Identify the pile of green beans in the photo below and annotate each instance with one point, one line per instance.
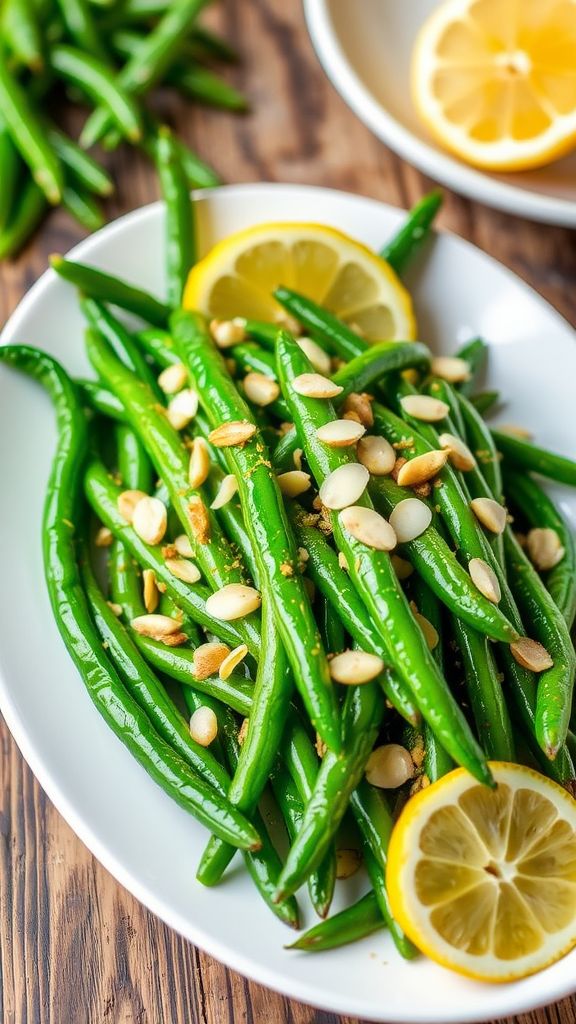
(446, 687)
(109, 58)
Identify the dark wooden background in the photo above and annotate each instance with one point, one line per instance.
(75, 948)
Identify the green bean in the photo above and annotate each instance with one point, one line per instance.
(201, 84)
(198, 173)
(485, 693)
(540, 511)
(524, 455)
(484, 401)
(356, 922)
(83, 168)
(436, 762)
(231, 518)
(376, 361)
(331, 627)
(82, 207)
(404, 245)
(99, 398)
(94, 78)
(342, 339)
(119, 338)
(9, 170)
(213, 44)
(96, 284)
(29, 210)
(480, 440)
(29, 136)
(266, 523)
(180, 228)
(82, 28)
(475, 353)
(21, 33)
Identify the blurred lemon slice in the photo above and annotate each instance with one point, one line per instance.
(484, 881)
(495, 80)
(238, 276)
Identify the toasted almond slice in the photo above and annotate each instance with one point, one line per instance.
(228, 488)
(348, 862)
(150, 520)
(358, 406)
(318, 357)
(199, 467)
(344, 486)
(544, 548)
(421, 468)
(204, 726)
(402, 567)
(115, 608)
(369, 527)
(490, 513)
(156, 626)
(485, 579)
(297, 458)
(531, 655)
(232, 660)
(236, 432)
(389, 766)
(294, 482)
(207, 659)
(377, 454)
(199, 519)
(127, 502)
(260, 389)
(182, 408)
(459, 453)
(450, 368)
(183, 569)
(288, 322)
(243, 731)
(314, 385)
(151, 593)
(430, 632)
(410, 518)
(104, 537)
(228, 332)
(234, 601)
(424, 407)
(340, 433)
(342, 561)
(354, 667)
(183, 546)
(173, 378)
(522, 433)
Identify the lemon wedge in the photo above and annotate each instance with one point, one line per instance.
(484, 881)
(239, 275)
(495, 80)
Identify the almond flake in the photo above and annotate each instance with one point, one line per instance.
(235, 432)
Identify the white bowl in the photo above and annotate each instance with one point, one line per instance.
(148, 843)
(365, 49)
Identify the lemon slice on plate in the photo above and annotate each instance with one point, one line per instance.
(495, 80)
(484, 881)
(239, 275)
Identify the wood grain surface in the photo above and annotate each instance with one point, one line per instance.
(75, 948)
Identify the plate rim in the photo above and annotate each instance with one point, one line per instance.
(442, 167)
(80, 824)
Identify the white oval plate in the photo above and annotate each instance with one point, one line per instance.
(365, 50)
(146, 841)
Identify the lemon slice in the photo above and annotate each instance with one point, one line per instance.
(484, 881)
(238, 276)
(495, 80)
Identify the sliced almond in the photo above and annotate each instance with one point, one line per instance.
(199, 467)
(234, 601)
(183, 546)
(459, 453)
(450, 368)
(421, 468)
(340, 433)
(182, 408)
(232, 660)
(173, 378)
(315, 385)
(402, 567)
(544, 548)
(377, 454)
(288, 322)
(531, 655)
(318, 357)
(358, 406)
(369, 527)
(228, 488)
(150, 520)
(485, 579)
(183, 569)
(348, 862)
(425, 408)
(127, 502)
(297, 458)
(103, 537)
(430, 632)
(163, 628)
(294, 482)
(522, 433)
(342, 561)
(260, 389)
(204, 726)
(236, 432)
(344, 486)
(115, 608)
(207, 659)
(389, 766)
(243, 731)
(355, 667)
(490, 513)
(199, 519)
(151, 593)
(228, 332)
(409, 519)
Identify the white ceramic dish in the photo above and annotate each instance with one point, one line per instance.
(148, 843)
(365, 49)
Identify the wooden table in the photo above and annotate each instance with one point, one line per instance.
(75, 948)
